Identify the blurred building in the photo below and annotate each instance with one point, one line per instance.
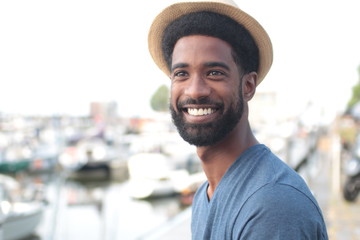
(103, 111)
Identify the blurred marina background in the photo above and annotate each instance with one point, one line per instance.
(88, 152)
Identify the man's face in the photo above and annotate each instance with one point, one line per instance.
(206, 100)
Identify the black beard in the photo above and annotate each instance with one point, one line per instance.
(207, 134)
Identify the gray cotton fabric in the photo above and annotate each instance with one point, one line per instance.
(259, 197)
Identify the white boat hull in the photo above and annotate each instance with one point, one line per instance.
(22, 221)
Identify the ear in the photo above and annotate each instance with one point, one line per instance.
(249, 85)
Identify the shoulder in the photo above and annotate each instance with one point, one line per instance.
(282, 197)
(283, 211)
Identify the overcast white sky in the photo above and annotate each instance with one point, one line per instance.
(58, 56)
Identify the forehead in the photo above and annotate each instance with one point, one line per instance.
(197, 48)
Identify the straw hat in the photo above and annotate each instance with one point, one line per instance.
(224, 7)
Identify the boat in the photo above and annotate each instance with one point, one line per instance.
(11, 167)
(152, 175)
(44, 158)
(88, 159)
(21, 219)
(15, 158)
(18, 218)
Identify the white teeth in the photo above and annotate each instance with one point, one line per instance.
(200, 111)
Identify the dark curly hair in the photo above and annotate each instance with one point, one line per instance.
(245, 51)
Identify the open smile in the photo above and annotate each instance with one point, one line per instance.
(200, 114)
(200, 111)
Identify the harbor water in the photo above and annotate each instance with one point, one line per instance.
(100, 210)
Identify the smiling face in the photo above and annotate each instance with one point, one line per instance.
(206, 97)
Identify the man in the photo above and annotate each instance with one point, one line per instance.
(216, 55)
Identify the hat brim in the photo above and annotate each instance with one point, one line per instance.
(177, 10)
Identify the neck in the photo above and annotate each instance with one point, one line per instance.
(216, 159)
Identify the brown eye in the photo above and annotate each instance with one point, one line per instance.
(216, 73)
(180, 74)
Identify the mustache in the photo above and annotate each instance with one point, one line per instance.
(200, 101)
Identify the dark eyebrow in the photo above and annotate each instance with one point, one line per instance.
(208, 64)
(178, 65)
(217, 64)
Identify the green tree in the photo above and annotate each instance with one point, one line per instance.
(355, 98)
(160, 99)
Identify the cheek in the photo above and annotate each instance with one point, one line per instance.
(232, 97)
(174, 95)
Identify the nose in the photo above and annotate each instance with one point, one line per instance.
(197, 88)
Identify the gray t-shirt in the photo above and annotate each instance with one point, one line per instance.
(259, 197)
